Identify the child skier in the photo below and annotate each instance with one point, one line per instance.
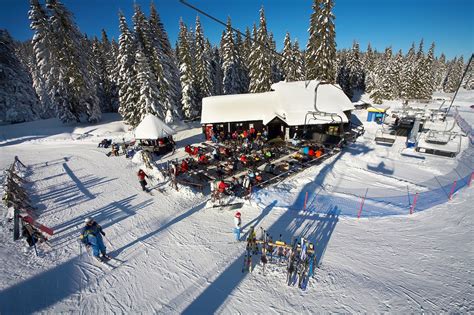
(91, 235)
(238, 224)
(141, 179)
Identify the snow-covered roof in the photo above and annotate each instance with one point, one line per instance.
(152, 127)
(289, 101)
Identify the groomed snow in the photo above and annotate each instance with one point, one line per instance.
(179, 254)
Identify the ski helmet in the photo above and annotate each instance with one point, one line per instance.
(237, 214)
(88, 220)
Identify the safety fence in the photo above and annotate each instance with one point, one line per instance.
(18, 205)
(373, 201)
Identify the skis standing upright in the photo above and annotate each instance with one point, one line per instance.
(291, 261)
(263, 257)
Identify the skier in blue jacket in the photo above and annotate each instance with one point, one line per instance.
(91, 235)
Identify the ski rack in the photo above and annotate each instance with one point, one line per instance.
(284, 245)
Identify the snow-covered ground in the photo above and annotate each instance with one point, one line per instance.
(179, 254)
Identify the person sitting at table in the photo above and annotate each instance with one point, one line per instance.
(202, 159)
(184, 166)
(243, 159)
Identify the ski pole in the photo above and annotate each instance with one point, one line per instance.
(108, 241)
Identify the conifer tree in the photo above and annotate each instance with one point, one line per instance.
(321, 48)
(149, 97)
(42, 61)
(357, 74)
(169, 64)
(289, 61)
(384, 80)
(202, 65)
(369, 67)
(129, 90)
(230, 64)
(217, 74)
(74, 92)
(275, 61)
(18, 100)
(468, 82)
(260, 61)
(408, 73)
(300, 67)
(188, 83)
(454, 76)
(242, 69)
(440, 72)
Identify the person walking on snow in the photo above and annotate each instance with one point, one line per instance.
(141, 179)
(91, 235)
(238, 224)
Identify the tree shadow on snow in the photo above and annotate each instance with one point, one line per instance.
(42, 290)
(161, 228)
(106, 216)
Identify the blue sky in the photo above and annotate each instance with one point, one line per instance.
(398, 23)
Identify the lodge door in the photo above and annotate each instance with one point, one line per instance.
(275, 130)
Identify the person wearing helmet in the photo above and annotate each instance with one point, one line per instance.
(91, 235)
(238, 224)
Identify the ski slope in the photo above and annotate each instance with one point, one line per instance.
(179, 255)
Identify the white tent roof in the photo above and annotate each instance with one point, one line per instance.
(152, 127)
(289, 101)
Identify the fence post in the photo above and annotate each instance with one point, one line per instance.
(452, 190)
(305, 200)
(362, 203)
(470, 179)
(412, 208)
(16, 224)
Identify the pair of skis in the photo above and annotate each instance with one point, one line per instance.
(249, 249)
(106, 261)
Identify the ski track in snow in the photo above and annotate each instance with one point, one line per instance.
(179, 254)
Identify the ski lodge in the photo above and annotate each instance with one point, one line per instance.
(312, 110)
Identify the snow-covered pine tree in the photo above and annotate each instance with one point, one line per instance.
(454, 76)
(246, 49)
(440, 72)
(289, 62)
(100, 75)
(300, 67)
(418, 75)
(129, 90)
(150, 49)
(343, 74)
(321, 48)
(188, 99)
(275, 61)
(42, 61)
(314, 42)
(395, 74)
(169, 63)
(202, 65)
(384, 78)
(356, 71)
(369, 68)
(244, 78)
(149, 99)
(428, 73)
(468, 82)
(408, 74)
(260, 61)
(230, 62)
(18, 100)
(74, 93)
(110, 51)
(217, 74)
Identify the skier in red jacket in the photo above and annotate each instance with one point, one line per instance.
(141, 179)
